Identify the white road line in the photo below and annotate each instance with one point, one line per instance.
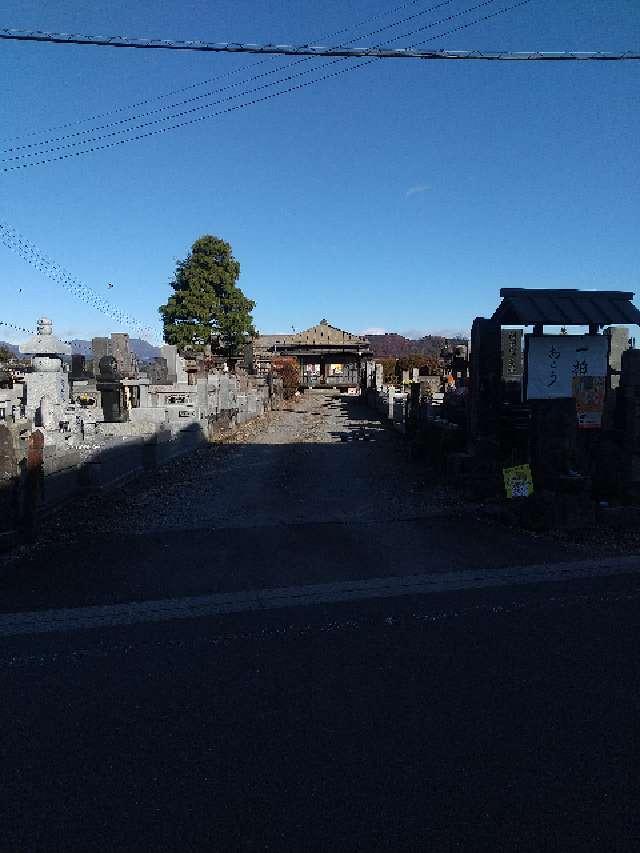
(164, 610)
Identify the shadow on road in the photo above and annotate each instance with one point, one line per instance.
(303, 500)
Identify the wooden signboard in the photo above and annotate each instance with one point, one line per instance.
(554, 360)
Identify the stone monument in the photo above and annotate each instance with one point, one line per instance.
(49, 380)
(111, 391)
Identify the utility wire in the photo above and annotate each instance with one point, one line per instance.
(30, 253)
(16, 328)
(122, 122)
(288, 79)
(254, 101)
(305, 50)
(225, 75)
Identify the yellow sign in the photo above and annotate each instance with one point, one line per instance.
(518, 482)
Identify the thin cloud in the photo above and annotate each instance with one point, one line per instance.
(419, 188)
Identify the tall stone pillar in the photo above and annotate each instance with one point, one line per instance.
(485, 379)
(629, 419)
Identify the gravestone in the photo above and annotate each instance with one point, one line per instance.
(158, 371)
(78, 365)
(371, 374)
(8, 459)
(379, 377)
(618, 344)
(108, 384)
(391, 393)
(170, 353)
(124, 356)
(9, 499)
(485, 378)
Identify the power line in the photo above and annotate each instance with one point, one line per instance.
(30, 253)
(227, 74)
(270, 96)
(16, 328)
(287, 79)
(21, 157)
(205, 95)
(309, 50)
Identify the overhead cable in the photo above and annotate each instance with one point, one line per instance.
(29, 252)
(268, 97)
(121, 123)
(16, 328)
(310, 50)
(226, 74)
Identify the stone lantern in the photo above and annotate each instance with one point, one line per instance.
(47, 386)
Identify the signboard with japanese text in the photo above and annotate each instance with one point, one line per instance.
(511, 354)
(589, 392)
(518, 482)
(554, 360)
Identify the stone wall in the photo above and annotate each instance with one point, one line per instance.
(106, 454)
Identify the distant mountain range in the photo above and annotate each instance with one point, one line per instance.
(143, 349)
(392, 345)
(11, 347)
(389, 345)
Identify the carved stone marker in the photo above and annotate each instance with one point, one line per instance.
(8, 460)
(108, 384)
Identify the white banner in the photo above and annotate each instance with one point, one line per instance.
(554, 360)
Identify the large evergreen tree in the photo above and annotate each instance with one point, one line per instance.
(207, 302)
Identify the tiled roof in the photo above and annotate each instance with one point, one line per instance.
(557, 307)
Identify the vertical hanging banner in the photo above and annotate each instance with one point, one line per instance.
(554, 361)
(511, 354)
(589, 393)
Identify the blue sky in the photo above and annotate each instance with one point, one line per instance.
(400, 196)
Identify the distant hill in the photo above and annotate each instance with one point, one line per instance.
(143, 349)
(392, 345)
(11, 347)
(389, 345)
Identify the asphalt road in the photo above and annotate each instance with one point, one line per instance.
(496, 709)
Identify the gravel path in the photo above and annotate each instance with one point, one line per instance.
(321, 491)
(310, 448)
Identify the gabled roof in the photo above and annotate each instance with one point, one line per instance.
(270, 341)
(558, 307)
(323, 333)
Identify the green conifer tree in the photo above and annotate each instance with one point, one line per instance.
(207, 303)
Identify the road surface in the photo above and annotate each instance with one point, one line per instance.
(294, 641)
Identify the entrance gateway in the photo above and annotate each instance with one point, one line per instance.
(329, 357)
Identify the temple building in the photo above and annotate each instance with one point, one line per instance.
(328, 356)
